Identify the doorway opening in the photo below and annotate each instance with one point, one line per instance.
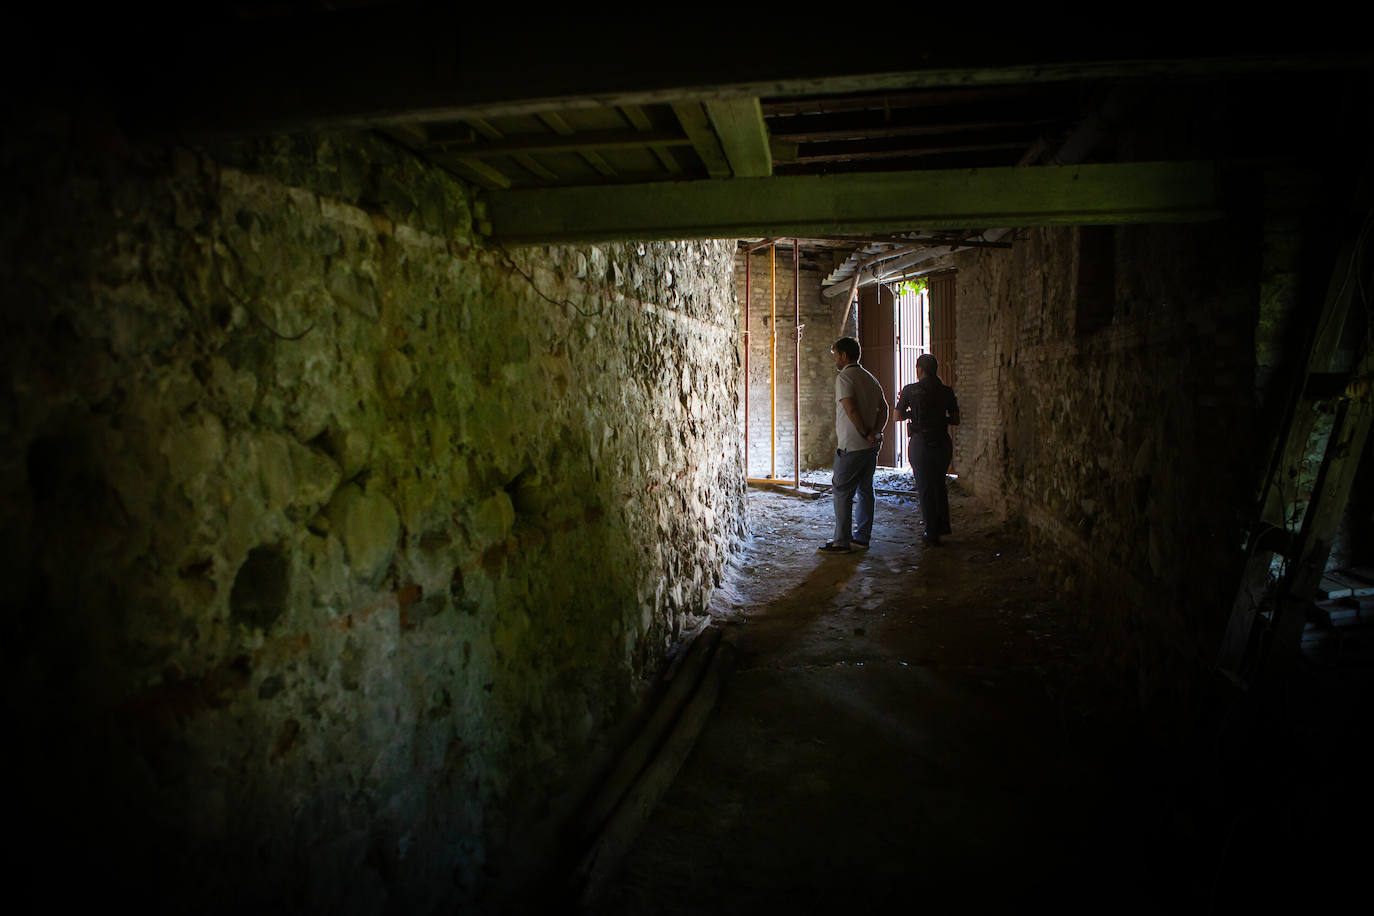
(902, 318)
(912, 325)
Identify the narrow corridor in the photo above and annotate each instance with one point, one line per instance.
(906, 726)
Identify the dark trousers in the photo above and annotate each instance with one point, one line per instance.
(930, 455)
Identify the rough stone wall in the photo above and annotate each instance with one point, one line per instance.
(819, 321)
(1125, 448)
(336, 545)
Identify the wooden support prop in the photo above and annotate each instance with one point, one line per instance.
(604, 857)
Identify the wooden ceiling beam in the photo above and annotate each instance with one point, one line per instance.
(820, 205)
(560, 126)
(857, 152)
(743, 136)
(918, 242)
(694, 120)
(820, 106)
(563, 143)
(882, 131)
(529, 163)
(640, 122)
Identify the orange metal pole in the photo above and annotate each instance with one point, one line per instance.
(773, 361)
(796, 363)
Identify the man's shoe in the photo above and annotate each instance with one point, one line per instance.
(857, 543)
(832, 547)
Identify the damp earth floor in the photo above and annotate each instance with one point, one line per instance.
(912, 727)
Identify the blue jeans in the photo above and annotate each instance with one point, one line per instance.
(854, 473)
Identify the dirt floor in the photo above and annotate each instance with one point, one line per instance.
(913, 726)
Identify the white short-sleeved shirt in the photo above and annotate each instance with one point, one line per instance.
(854, 381)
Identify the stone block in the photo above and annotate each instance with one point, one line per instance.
(368, 526)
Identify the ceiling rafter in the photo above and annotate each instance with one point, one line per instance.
(743, 136)
(863, 203)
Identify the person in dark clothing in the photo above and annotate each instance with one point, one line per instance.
(931, 408)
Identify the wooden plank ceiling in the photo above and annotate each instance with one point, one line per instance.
(750, 138)
(620, 131)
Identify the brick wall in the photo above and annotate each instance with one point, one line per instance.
(820, 322)
(1126, 448)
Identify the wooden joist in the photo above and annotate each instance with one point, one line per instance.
(743, 136)
(584, 141)
(530, 164)
(819, 205)
(695, 122)
(640, 121)
(560, 126)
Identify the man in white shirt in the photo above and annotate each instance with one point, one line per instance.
(860, 415)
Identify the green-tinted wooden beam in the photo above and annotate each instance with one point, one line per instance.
(697, 125)
(531, 165)
(743, 136)
(558, 125)
(561, 143)
(820, 205)
(481, 172)
(640, 121)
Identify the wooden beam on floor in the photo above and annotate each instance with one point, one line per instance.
(820, 205)
(743, 136)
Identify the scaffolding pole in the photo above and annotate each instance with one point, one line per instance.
(772, 477)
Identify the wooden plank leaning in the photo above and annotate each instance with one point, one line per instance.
(625, 823)
(683, 682)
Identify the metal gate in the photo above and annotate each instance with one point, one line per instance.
(913, 339)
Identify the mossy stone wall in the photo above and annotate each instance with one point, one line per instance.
(340, 540)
